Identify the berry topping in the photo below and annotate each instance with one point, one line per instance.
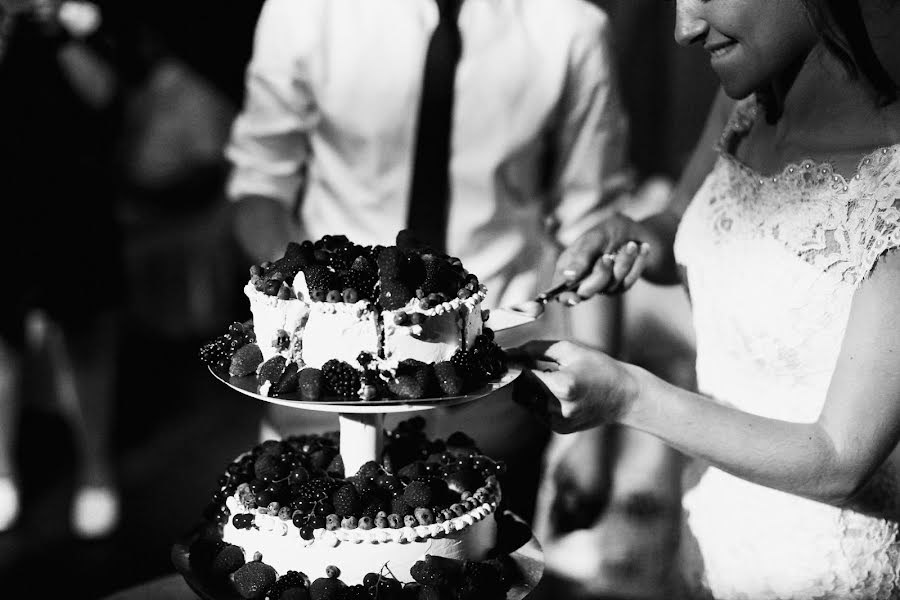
(418, 493)
(253, 579)
(326, 588)
(245, 360)
(288, 382)
(448, 379)
(290, 581)
(310, 384)
(340, 378)
(272, 369)
(346, 501)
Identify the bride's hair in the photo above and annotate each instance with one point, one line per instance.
(843, 32)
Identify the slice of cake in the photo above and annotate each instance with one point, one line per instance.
(428, 507)
(362, 322)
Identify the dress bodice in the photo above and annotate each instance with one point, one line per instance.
(772, 264)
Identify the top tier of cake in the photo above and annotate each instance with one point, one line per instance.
(331, 303)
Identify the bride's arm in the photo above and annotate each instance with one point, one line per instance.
(828, 460)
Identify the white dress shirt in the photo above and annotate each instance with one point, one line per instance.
(538, 129)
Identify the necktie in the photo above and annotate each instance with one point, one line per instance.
(430, 187)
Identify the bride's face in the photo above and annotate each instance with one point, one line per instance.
(750, 42)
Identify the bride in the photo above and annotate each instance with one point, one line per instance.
(782, 229)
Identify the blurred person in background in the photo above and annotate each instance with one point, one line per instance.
(63, 69)
(326, 143)
(784, 229)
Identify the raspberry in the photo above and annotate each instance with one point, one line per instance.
(340, 379)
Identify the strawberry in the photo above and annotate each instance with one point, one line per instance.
(346, 501)
(288, 382)
(370, 470)
(389, 264)
(309, 382)
(412, 380)
(320, 278)
(394, 294)
(448, 378)
(400, 507)
(272, 369)
(325, 588)
(245, 360)
(228, 560)
(418, 494)
(253, 579)
(435, 571)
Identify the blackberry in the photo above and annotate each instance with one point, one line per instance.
(485, 360)
(218, 352)
(340, 378)
(291, 579)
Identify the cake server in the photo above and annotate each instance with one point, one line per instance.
(526, 312)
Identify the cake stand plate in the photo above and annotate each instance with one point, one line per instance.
(249, 386)
(514, 538)
(362, 422)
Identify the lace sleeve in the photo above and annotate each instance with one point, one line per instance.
(879, 207)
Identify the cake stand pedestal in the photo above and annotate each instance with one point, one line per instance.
(362, 438)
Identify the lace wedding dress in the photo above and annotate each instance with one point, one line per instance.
(772, 264)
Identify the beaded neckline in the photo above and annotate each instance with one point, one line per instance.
(805, 173)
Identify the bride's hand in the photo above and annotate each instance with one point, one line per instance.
(571, 387)
(607, 259)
